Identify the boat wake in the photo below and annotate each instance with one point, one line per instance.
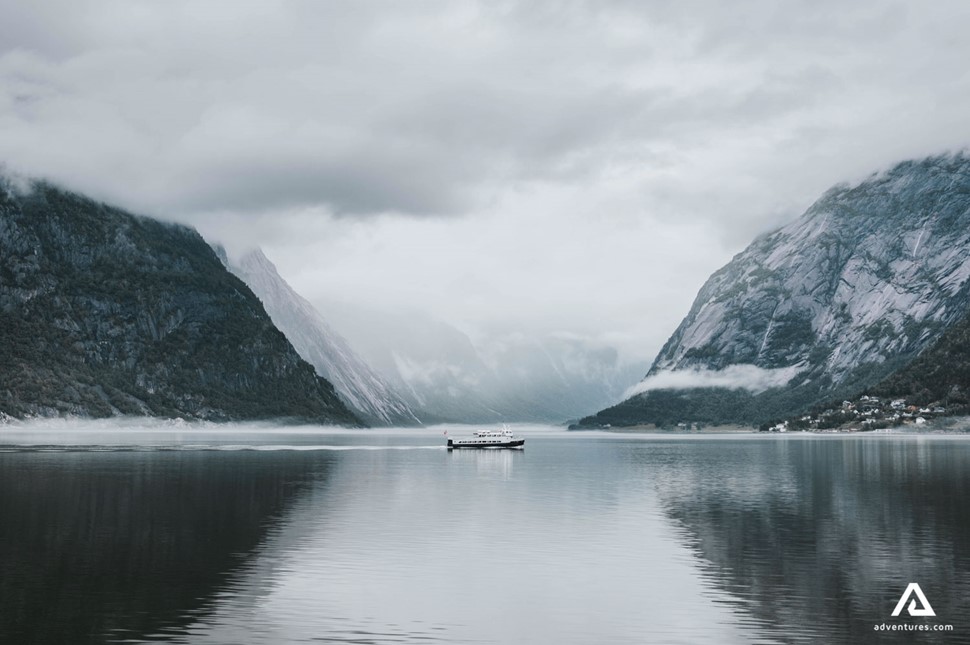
(203, 448)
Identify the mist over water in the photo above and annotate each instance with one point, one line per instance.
(218, 534)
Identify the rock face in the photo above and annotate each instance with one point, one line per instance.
(105, 313)
(858, 286)
(360, 387)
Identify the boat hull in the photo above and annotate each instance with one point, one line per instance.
(462, 444)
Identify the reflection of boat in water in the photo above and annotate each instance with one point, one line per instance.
(488, 439)
(489, 464)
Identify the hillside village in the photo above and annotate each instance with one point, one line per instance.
(867, 413)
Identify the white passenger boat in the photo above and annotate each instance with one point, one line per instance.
(488, 439)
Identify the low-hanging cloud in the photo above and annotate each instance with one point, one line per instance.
(735, 377)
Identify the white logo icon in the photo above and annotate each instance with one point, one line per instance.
(925, 610)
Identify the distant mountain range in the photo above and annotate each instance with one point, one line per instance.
(842, 300)
(106, 313)
(445, 375)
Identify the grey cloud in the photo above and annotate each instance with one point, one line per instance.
(316, 125)
(385, 124)
(349, 185)
(421, 109)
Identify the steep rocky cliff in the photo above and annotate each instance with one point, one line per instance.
(859, 285)
(105, 313)
(358, 385)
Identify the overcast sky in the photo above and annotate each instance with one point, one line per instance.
(567, 167)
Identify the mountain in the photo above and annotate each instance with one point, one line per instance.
(104, 313)
(360, 387)
(446, 376)
(870, 276)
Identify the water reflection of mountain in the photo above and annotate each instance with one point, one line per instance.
(103, 546)
(818, 538)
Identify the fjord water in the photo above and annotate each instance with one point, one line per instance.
(246, 535)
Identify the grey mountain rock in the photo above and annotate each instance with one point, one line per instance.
(859, 285)
(361, 388)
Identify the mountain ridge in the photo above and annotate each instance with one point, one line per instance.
(360, 387)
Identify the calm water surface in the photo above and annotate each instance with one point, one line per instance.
(196, 536)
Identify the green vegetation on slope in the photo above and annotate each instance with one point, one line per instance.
(941, 374)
